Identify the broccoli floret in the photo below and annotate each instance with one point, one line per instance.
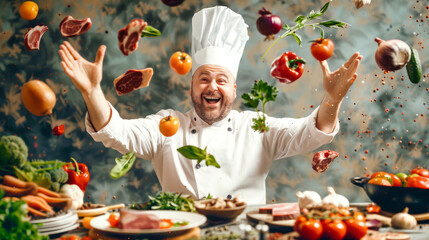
(13, 152)
(59, 175)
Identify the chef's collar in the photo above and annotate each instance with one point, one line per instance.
(197, 121)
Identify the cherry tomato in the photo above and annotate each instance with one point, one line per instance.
(322, 48)
(308, 229)
(403, 177)
(113, 220)
(28, 10)
(373, 208)
(166, 223)
(73, 237)
(380, 181)
(181, 62)
(421, 171)
(356, 229)
(169, 125)
(334, 229)
(384, 175)
(396, 181)
(86, 238)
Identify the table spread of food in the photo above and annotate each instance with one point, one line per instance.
(41, 198)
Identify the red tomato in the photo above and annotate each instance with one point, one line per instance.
(396, 181)
(418, 182)
(308, 229)
(169, 125)
(356, 229)
(334, 229)
(28, 10)
(181, 62)
(166, 223)
(86, 238)
(373, 208)
(322, 49)
(73, 237)
(380, 181)
(113, 220)
(384, 175)
(421, 171)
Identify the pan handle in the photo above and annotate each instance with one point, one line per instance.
(359, 181)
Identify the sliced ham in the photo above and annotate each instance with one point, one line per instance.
(285, 212)
(322, 159)
(269, 208)
(129, 36)
(138, 219)
(33, 36)
(71, 27)
(132, 80)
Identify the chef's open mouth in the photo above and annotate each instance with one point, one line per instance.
(212, 100)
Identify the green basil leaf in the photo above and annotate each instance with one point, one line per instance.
(286, 27)
(300, 18)
(297, 38)
(150, 31)
(333, 24)
(211, 161)
(314, 15)
(192, 152)
(123, 165)
(324, 8)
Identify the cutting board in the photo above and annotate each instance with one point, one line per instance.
(419, 217)
(255, 217)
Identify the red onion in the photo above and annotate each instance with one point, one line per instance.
(268, 24)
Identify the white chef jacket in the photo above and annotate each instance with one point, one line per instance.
(243, 154)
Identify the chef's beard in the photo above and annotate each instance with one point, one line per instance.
(211, 117)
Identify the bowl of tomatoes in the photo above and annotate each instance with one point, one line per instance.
(394, 192)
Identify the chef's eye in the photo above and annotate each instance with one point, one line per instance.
(223, 81)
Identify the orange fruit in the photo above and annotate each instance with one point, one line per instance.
(169, 125)
(28, 10)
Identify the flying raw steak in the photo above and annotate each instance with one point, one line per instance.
(322, 159)
(132, 80)
(33, 36)
(129, 36)
(71, 27)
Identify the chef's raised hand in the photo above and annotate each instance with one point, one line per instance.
(86, 76)
(337, 83)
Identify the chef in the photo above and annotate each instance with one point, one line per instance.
(219, 36)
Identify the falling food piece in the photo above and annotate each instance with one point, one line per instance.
(33, 36)
(71, 27)
(322, 159)
(58, 130)
(132, 80)
(129, 36)
(361, 3)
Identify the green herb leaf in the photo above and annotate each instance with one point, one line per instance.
(333, 24)
(299, 19)
(297, 38)
(286, 27)
(150, 31)
(198, 154)
(325, 7)
(123, 165)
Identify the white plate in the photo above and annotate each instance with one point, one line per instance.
(66, 229)
(194, 220)
(71, 219)
(57, 218)
(56, 227)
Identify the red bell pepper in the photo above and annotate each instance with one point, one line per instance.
(287, 68)
(418, 182)
(79, 175)
(58, 130)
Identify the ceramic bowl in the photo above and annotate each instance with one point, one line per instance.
(224, 214)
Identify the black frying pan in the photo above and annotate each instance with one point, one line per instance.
(395, 199)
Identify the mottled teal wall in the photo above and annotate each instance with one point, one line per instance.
(396, 138)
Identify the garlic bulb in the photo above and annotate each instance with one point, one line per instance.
(403, 220)
(361, 3)
(392, 55)
(335, 200)
(308, 199)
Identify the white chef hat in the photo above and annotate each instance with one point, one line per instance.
(218, 37)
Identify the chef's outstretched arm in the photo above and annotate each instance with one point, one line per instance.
(336, 85)
(86, 76)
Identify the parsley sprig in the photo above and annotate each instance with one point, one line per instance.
(304, 21)
(261, 93)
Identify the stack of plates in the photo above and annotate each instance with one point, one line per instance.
(58, 224)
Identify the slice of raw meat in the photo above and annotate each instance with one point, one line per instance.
(269, 208)
(286, 212)
(138, 219)
(132, 80)
(322, 159)
(33, 36)
(129, 36)
(71, 27)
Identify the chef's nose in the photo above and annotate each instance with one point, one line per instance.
(213, 85)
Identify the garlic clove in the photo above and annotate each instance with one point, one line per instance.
(403, 220)
(335, 200)
(308, 199)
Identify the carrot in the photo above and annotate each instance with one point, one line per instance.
(36, 212)
(48, 192)
(14, 182)
(61, 202)
(38, 203)
(17, 191)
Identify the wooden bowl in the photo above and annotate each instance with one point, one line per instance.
(224, 214)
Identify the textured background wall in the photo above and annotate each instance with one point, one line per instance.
(370, 138)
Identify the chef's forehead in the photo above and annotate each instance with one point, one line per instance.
(209, 69)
